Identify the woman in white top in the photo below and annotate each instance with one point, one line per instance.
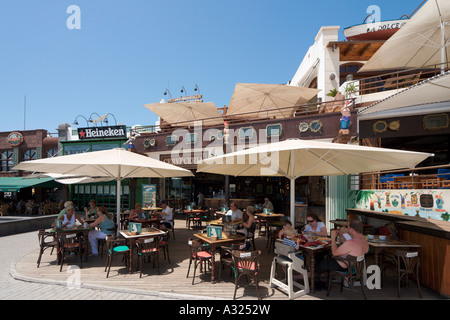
(70, 218)
(315, 225)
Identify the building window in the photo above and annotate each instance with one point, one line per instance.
(191, 138)
(347, 69)
(52, 152)
(6, 161)
(435, 121)
(30, 154)
(171, 140)
(246, 133)
(274, 130)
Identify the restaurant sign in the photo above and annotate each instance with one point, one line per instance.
(15, 138)
(102, 132)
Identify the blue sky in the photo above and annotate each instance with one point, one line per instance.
(127, 53)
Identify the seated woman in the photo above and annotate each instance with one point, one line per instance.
(106, 225)
(248, 227)
(315, 226)
(137, 213)
(91, 212)
(69, 218)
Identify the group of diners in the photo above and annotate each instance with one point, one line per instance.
(102, 221)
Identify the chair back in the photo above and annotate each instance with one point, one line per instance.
(114, 242)
(69, 241)
(4, 208)
(282, 249)
(408, 259)
(148, 245)
(246, 262)
(355, 265)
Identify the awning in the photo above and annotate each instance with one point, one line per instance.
(12, 184)
(429, 92)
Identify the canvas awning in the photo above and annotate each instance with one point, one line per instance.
(13, 184)
(426, 93)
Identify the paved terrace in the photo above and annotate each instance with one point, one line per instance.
(171, 283)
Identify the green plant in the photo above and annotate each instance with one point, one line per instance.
(332, 93)
(350, 89)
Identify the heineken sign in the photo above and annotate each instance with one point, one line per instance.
(102, 132)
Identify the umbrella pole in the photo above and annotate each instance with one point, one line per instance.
(118, 195)
(292, 203)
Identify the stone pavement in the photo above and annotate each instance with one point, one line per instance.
(14, 286)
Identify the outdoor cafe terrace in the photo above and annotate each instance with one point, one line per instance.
(171, 280)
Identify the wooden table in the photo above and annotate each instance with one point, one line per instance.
(270, 216)
(310, 253)
(149, 222)
(219, 223)
(379, 246)
(224, 241)
(149, 233)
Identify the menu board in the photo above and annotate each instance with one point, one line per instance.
(148, 195)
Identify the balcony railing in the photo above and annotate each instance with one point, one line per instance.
(434, 177)
(397, 80)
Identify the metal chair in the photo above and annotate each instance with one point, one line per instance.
(287, 257)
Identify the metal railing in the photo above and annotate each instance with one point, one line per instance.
(398, 79)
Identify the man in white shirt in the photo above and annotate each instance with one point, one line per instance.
(234, 212)
(267, 204)
(167, 215)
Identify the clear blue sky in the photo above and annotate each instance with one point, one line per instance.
(128, 52)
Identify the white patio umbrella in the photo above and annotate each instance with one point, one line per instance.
(264, 100)
(68, 178)
(423, 41)
(117, 164)
(182, 113)
(294, 158)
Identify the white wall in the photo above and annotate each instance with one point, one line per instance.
(320, 61)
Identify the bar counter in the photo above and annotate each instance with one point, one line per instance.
(434, 238)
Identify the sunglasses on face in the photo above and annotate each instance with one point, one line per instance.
(310, 221)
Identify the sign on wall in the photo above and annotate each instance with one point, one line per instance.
(14, 138)
(102, 132)
(425, 203)
(149, 195)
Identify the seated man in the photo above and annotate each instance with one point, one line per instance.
(234, 212)
(356, 246)
(267, 204)
(167, 215)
